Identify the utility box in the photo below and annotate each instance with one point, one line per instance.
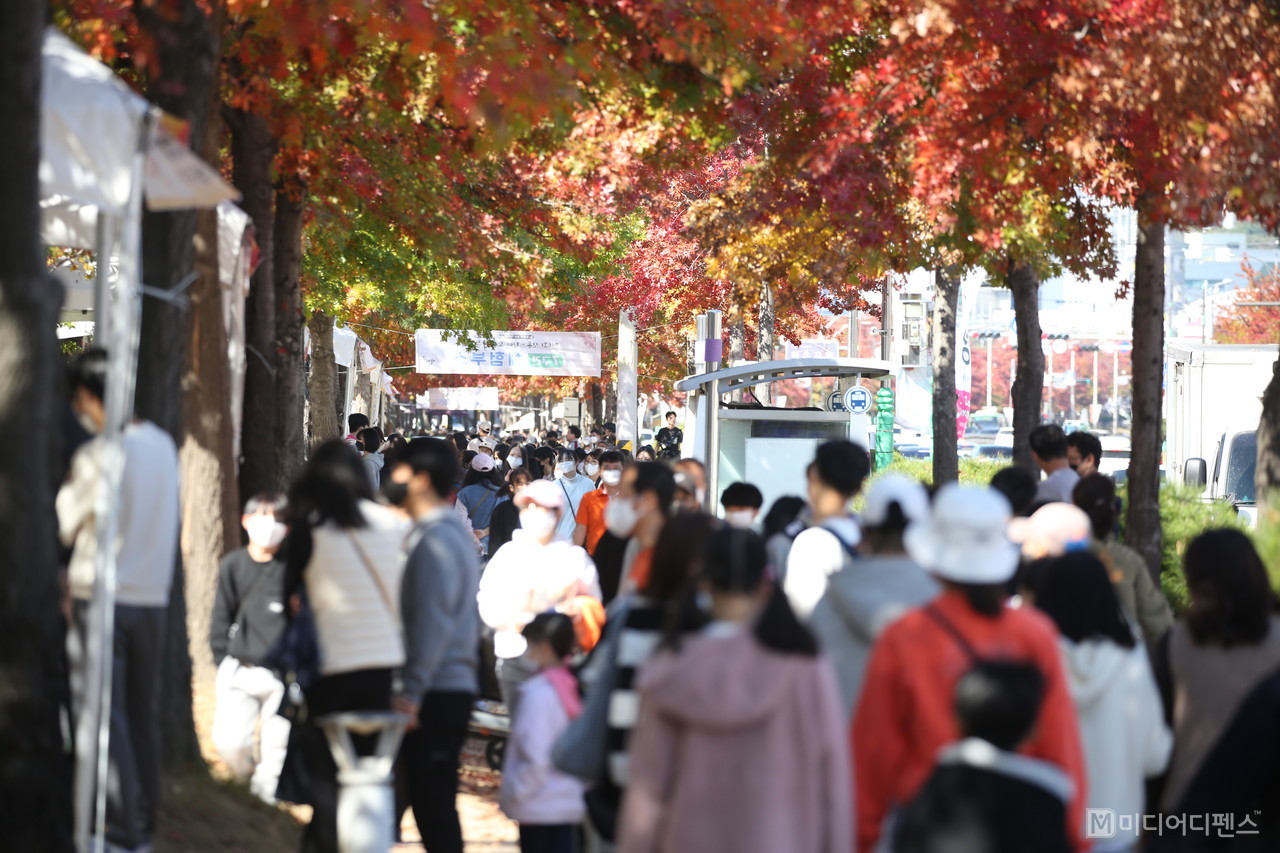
(766, 446)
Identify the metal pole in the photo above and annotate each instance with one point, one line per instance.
(989, 341)
(1115, 381)
(1072, 386)
(1204, 328)
(886, 323)
(1095, 376)
(713, 446)
(714, 361)
(1049, 402)
(1013, 373)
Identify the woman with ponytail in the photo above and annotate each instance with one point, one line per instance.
(740, 744)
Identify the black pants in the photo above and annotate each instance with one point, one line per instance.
(429, 759)
(133, 780)
(549, 838)
(364, 690)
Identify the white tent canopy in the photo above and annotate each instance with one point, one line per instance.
(92, 125)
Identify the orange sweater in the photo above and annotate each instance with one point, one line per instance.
(906, 712)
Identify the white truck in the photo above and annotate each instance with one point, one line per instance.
(1213, 403)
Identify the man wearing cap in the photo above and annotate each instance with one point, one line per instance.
(877, 588)
(484, 441)
(906, 712)
(533, 573)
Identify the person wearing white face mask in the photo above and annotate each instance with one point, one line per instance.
(533, 573)
(638, 513)
(248, 617)
(575, 487)
(741, 502)
(589, 467)
(590, 525)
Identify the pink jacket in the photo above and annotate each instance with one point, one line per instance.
(738, 749)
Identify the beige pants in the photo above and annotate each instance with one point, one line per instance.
(247, 700)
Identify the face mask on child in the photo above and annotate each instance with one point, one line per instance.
(264, 531)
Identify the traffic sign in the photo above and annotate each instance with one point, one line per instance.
(857, 400)
(835, 402)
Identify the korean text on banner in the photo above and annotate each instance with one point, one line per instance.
(512, 353)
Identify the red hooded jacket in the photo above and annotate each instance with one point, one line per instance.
(906, 714)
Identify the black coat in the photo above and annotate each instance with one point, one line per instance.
(1240, 777)
(979, 810)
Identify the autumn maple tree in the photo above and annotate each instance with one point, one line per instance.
(1254, 317)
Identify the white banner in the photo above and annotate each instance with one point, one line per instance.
(459, 399)
(512, 354)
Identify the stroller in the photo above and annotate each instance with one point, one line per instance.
(489, 718)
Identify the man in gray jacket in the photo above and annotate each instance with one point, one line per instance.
(442, 632)
(880, 585)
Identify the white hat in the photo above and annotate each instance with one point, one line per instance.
(893, 488)
(482, 462)
(964, 539)
(1052, 531)
(544, 493)
(484, 426)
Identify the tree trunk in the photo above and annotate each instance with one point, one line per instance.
(252, 153)
(765, 342)
(181, 85)
(210, 493)
(1028, 384)
(946, 462)
(35, 782)
(322, 382)
(290, 378)
(1144, 533)
(1267, 476)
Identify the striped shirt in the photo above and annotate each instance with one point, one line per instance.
(638, 640)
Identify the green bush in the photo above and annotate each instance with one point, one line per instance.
(1266, 538)
(1184, 516)
(976, 472)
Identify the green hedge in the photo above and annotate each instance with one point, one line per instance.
(1184, 516)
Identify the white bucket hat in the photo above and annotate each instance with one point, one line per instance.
(890, 489)
(964, 539)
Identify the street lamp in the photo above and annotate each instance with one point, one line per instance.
(1049, 371)
(1093, 348)
(989, 337)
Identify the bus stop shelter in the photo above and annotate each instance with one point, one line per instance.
(766, 446)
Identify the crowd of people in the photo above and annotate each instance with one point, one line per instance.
(963, 669)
